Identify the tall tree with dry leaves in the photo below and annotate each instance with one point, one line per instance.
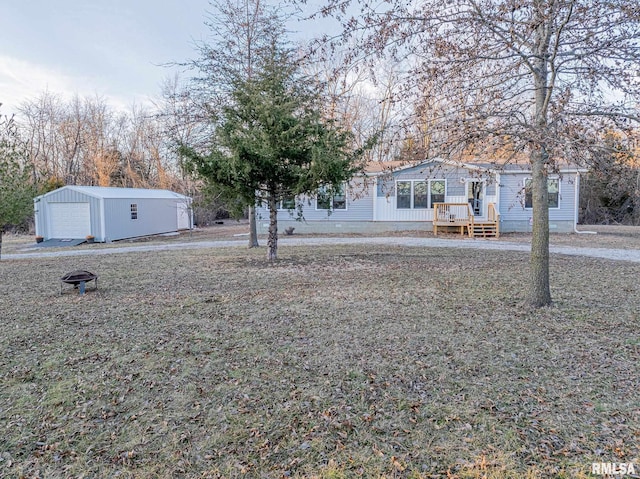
(537, 78)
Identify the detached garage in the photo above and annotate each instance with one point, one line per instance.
(109, 214)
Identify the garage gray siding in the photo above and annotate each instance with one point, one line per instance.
(110, 211)
(154, 216)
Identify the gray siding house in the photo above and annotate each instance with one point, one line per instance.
(394, 196)
(109, 214)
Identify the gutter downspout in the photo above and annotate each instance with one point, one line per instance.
(103, 222)
(576, 202)
(374, 197)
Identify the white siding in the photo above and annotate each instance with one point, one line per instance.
(385, 207)
(386, 211)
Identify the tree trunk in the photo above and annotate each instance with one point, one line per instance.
(540, 293)
(1, 234)
(253, 229)
(272, 242)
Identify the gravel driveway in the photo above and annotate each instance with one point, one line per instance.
(632, 255)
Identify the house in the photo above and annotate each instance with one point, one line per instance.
(109, 214)
(476, 198)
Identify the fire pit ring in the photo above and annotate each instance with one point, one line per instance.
(79, 279)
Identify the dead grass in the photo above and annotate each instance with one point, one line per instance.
(335, 362)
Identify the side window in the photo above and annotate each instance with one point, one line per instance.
(134, 211)
(326, 201)
(553, 187)
(420, 197)
(287, 203)
(340, 199)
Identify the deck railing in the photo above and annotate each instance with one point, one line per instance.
(461, 216)
(452, 214)
(494, 217)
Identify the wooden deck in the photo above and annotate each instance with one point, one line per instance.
(460, 217)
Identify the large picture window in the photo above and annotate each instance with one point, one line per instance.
(328, 201)
(553, 187)
(419, 194)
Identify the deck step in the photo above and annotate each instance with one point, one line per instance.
(484, 230)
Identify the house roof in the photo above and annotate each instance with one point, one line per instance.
(376, 168)
(381, 167)
(113, 192)
(516, 167)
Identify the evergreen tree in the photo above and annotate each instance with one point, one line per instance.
(272, 142)
(16, 190)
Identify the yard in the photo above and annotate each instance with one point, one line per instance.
(336, 362)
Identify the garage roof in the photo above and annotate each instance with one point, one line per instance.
(112, 192)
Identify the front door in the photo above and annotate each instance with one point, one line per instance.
(475, 196)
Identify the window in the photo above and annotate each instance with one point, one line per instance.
(553, 187)
(420, 198)
(287, 203)
(134, 211)
(437, 188)
(325, 200)
(403, 195)
(419, 194)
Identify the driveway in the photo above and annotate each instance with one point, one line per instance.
(632, 255)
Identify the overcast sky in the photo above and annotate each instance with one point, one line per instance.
(112, 48)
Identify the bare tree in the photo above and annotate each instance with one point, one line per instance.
(365, 106)
(179, 125)
(610, 192)
(40, 121)
(85, 141)
(532, 77)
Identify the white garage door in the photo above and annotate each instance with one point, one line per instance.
(69, 220)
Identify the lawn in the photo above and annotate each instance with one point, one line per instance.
(335, 362)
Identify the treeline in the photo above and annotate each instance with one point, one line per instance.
(85, 141)
(610, 191)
